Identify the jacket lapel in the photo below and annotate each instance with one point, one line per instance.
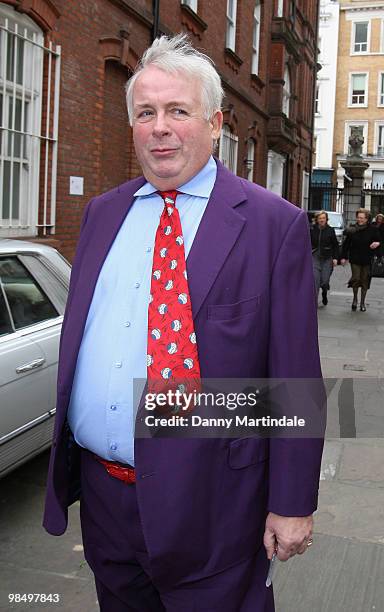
(218, 231)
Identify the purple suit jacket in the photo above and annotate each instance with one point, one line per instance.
(203, 502)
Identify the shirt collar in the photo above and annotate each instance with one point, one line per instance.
(200, 185)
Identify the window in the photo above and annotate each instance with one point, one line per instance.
(5, 320)
(250, 161)
(316, 146)
(276, 172)
(305, 191)
(358, 89)
(320, 48)
(381, 89)
(382, 37)
(360, 36)
(378, 180)
(280, 8)
(191, 3)
(379, 139)
(292, 10)
(286, 91)
(362, 127)
(27, 302)
(256, 38)
(230, 41)
(23, 133)
(317, 98)
(228, 148)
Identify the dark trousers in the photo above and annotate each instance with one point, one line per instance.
(115, 549)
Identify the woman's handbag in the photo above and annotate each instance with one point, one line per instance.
(377, 266)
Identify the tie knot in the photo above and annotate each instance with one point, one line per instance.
(169, 197)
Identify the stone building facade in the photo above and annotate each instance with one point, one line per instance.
(360, 92)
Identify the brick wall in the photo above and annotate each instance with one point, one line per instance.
(101, 41)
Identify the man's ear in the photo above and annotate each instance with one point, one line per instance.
(217, 123)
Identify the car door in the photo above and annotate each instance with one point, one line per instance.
(26, 393)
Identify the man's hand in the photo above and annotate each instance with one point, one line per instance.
(290, 534)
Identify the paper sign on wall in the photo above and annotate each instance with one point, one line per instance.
(76, 185)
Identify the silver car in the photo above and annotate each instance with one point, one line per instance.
(34, 281)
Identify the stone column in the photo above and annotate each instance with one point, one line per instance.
(354, 167)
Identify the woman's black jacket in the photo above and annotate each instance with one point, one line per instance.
(356, 244)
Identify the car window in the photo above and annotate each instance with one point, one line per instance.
(336, 220)
(48, 278)
(27, 302)
(5, 321)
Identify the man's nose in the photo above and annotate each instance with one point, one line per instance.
(161, 125)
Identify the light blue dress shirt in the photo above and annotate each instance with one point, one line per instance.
(101, 412)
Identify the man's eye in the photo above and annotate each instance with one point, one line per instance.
(145, 113)
(179, 111)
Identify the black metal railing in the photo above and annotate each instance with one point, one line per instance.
(325, 196)
(372, 196)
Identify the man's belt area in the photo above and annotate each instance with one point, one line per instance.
(126, 473)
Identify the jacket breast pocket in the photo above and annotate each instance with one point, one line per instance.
(222, 312)
(247, 451)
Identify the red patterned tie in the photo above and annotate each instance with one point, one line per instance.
(172, 358)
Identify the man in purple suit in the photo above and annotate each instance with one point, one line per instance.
(183, 524)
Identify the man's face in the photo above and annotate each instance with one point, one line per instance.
(322, 220)
(172, 139)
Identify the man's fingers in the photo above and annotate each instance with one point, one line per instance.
(285, 553)
(269, 543)
(301, 550)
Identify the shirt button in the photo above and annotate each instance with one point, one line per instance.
(127, 324)
(113, 407)
(137, 285)
(113, 446)
(118, 364)
(149, 249)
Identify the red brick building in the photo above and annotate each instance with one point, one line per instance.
(64, 130)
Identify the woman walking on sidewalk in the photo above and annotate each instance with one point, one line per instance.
(379, 223)
(325, 253)
(359, 246)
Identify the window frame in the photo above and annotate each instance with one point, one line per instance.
(250, 161)
(353, 36)
(30, 96)
(230, 31)
(256, 38)
(379, 124)
(227, 138)
(356, 123)
(305, 190)
(366, 90)
(286, 105)
(317, 100)
(382, 37)
(280, 8)
(380, 88)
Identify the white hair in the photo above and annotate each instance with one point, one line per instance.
(175, 55)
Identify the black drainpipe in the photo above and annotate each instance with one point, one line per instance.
(156, 12)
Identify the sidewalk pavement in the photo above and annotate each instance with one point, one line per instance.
(342, 572)
(344, 569)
